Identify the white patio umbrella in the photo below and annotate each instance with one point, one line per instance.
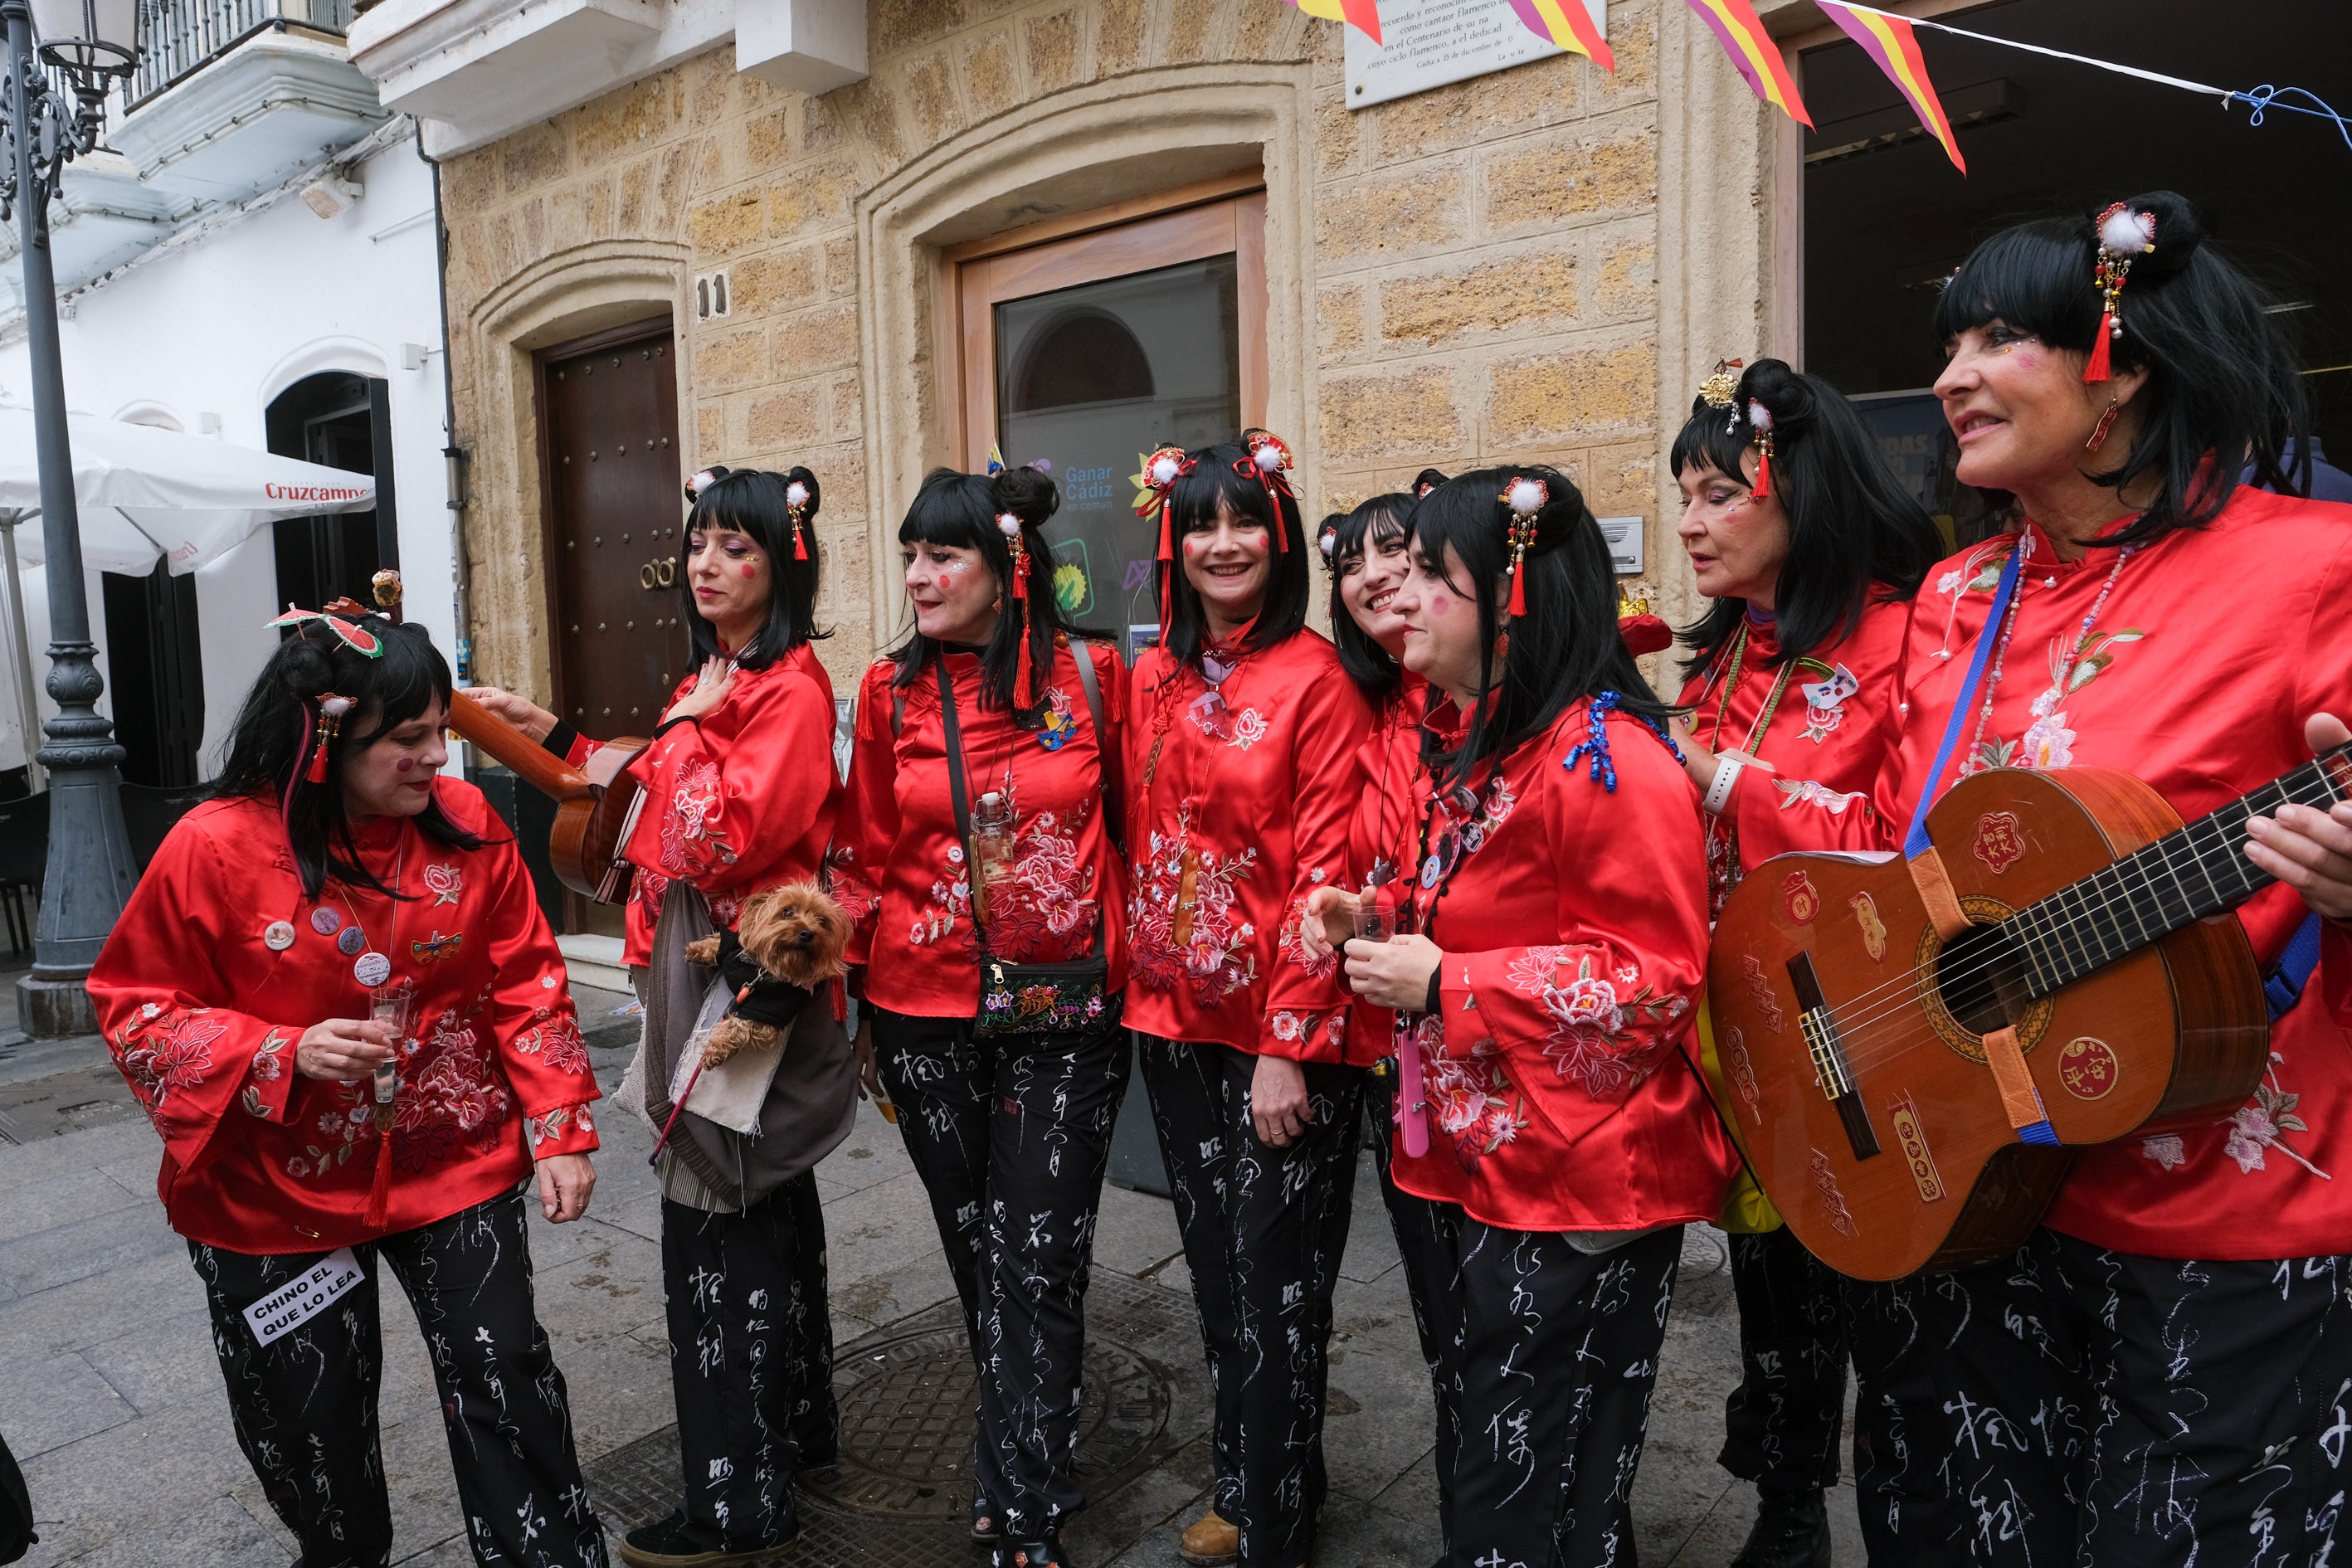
(145, 494)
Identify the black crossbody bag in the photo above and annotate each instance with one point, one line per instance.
(1068, 998)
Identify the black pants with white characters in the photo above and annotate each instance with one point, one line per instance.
(1264, 1229)
(1424, 1238)
(304, 1405)
(2075, 1407)
(1555, 1353)
(750, 1355)
(1011, 1136)
(1782, 1424)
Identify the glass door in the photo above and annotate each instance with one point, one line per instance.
(1083, 354)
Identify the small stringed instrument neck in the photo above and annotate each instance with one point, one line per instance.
(534, 764)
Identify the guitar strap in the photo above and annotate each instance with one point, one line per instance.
(2284, 985)
(2018, 1099)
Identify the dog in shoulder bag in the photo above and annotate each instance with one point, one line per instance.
(787, 943)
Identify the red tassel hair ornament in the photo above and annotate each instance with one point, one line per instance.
(1154, 482)
(1759, 420)
(2124, 236)
(796, 498)
(1526, 497)
(1025, 692)
(331, 708)
(1270, 464)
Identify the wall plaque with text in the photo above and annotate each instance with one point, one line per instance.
(1429, 43)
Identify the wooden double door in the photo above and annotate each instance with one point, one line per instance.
(614, 526)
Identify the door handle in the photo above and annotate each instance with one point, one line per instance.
(655, 574)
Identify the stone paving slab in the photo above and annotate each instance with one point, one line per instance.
(111, 1398)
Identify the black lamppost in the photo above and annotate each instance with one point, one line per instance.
(89, 44)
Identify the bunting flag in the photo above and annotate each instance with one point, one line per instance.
(1364, 16)
(1568, 24)
(1894, 48)
(1752, 50)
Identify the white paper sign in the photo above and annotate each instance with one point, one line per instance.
(290, 1306)
(1428, 43)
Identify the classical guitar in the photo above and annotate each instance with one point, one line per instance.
(596, 806)
(1912, 1049)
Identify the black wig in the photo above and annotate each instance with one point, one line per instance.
(960, 511)
(759, 504)
(2223, 396)
(269, 746)
(1567, 646)
(1384, 521)
(1855, 534)
(1224, 478)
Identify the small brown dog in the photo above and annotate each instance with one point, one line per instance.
(795, 933)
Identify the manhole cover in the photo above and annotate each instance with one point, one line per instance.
(901, 1493)
(907, 1408)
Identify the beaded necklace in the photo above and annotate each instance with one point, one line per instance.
(1756, 731)
(2063, 670)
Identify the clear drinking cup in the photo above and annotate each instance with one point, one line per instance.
(393, 1002)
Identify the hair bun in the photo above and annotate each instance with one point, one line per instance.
(1563, 509)
(304, 668)
(1425, 482)
(1029, 494)
(797, 475)
(2180, 230)
(1785, 395)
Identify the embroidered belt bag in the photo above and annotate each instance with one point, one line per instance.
(1068, 998)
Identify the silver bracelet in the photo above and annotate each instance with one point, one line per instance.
(1719, 794)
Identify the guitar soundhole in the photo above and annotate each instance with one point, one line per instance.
(1970, 973)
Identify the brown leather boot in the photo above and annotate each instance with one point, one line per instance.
(1210, 1542)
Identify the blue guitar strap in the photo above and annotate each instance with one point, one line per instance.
(2284, 983)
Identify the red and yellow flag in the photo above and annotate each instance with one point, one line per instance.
(1751, 50)
(1892, 44)
(1364, 16)
(1568, 24)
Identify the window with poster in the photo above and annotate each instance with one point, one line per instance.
(1090, 342)
(1887, 217)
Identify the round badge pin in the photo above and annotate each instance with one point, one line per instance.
(277, 936)
(326, 922)
(373, 970)
(353, 942)
(1430, 872)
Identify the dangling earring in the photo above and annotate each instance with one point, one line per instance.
(2107, 423)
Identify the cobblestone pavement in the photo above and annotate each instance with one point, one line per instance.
(111, 1401)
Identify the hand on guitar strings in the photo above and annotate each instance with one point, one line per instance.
(711, 685)
(519, 711)
(1395, 972)
(2308, 850)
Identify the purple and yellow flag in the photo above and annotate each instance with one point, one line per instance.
(1752, 50)
(1568, 24)
(1364, 16)
(1892, 44)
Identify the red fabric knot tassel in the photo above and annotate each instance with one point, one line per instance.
(2100, 368)
(317, 771)
(378, 1204)
(800, 544)
(1518, 589)
(1763, 490)
(1025, 694)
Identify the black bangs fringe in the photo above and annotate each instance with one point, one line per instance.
(1385, 520)
(1193, 500)
(2035, 278)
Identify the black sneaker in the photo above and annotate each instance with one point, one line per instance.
(1791, 1531)
(670, 1544)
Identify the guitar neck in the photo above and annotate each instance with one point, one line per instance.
(2195, 871)
(533, 762)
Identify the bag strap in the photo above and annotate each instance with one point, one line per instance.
(1084, 653)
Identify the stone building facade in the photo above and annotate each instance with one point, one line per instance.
(1534, 265)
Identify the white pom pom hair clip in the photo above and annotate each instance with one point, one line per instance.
(1008, 525)
(2124, 236)
(1527, 498)
(1165, 467)
(796, 499)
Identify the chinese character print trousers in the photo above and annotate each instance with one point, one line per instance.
(750, 1361)
(1263, 1230)
(1553, 1355)
(304, 1405)
(1011, 1135)
(1782, 1424)
(2071, 1407)
(1424, 1238)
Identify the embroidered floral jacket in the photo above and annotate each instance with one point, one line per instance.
(1826, 725)
(219, 965)
(900, 868)
(1574, 931)
(1264, 811)
(1388, 767)
(740, 798)
(2212, 648)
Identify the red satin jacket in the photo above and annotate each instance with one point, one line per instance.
(219, 965)
(1387, 770)
(2212, 648)
(1574, 931)
(899, 864)
(740, 798)
(1262, 812)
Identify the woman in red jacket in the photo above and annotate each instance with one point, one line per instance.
(1241, 774)
(978, 837)
(2158, 1375)
(307, 1145)
(741, 796)
(1812, 562)
(1553, 905)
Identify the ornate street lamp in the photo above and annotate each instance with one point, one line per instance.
(89, 44)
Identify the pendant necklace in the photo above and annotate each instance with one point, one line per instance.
(371, 968)
(2063, 671)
